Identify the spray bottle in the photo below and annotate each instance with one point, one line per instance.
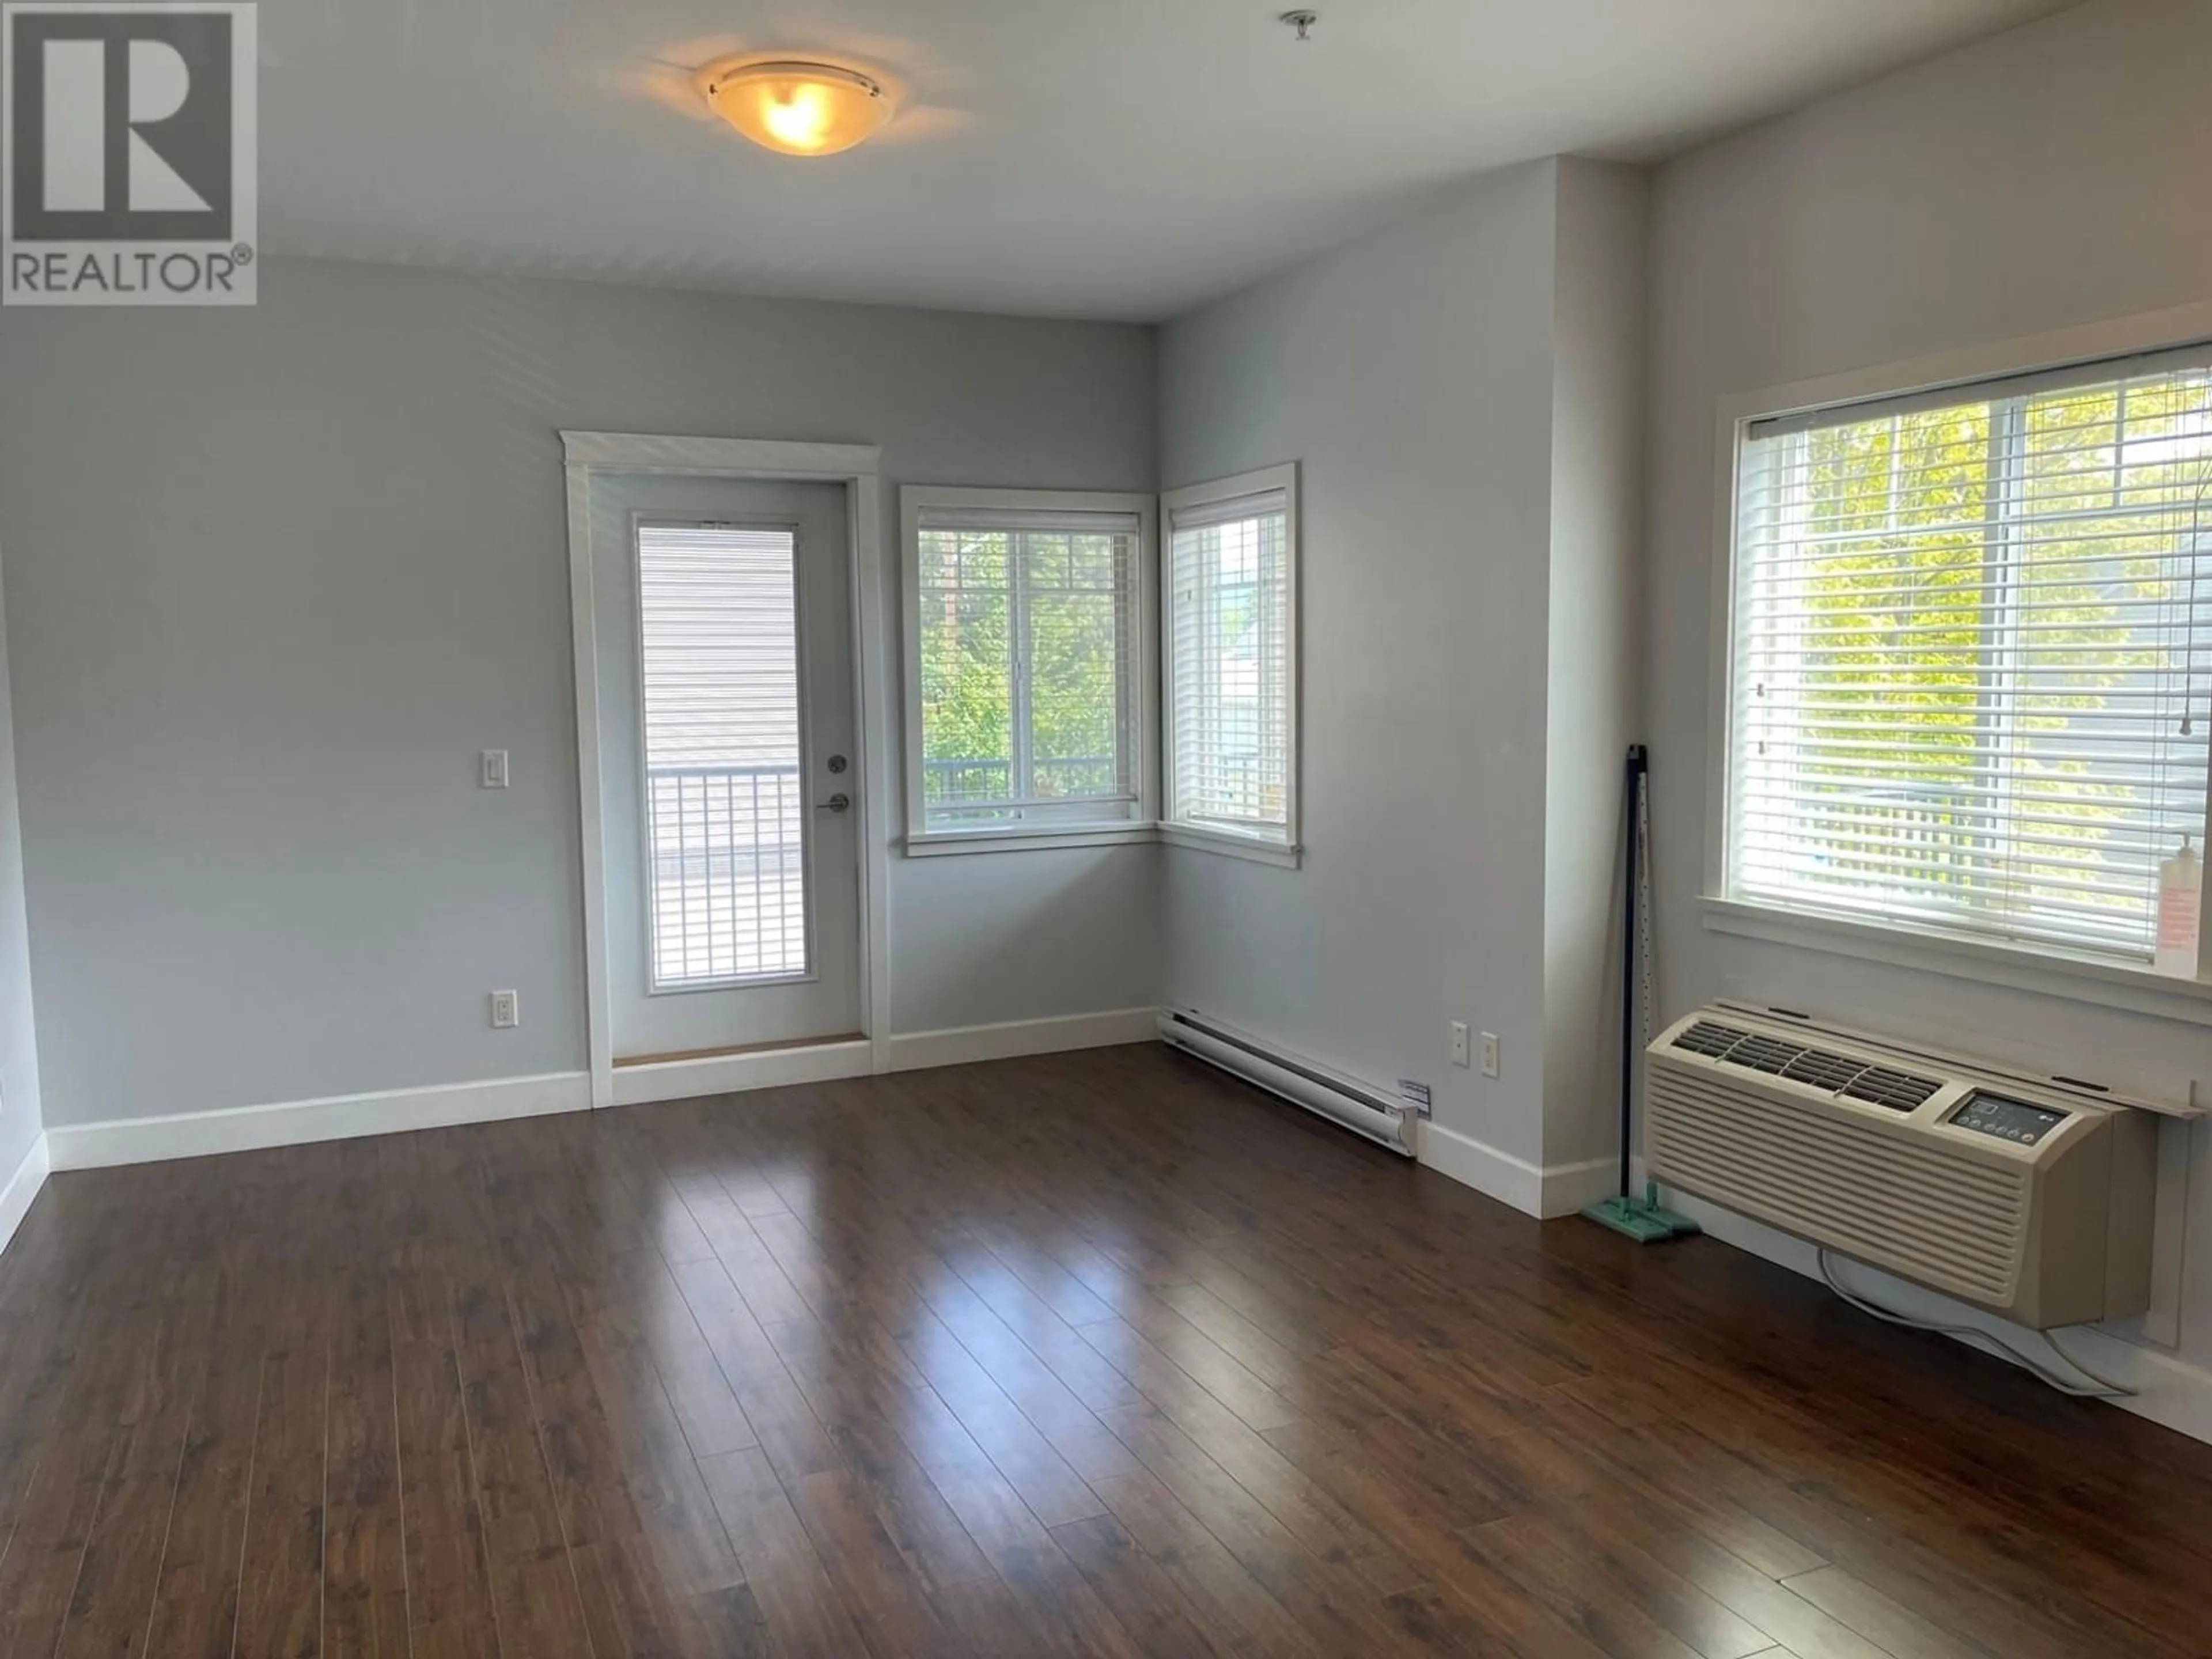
(2180, 911)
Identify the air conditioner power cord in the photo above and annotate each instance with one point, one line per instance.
(2106, 1388)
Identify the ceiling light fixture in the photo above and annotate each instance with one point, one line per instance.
(797, 108)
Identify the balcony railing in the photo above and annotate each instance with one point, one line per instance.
(726, 860)
(988, 782)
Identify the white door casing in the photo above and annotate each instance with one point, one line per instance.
(593, 461)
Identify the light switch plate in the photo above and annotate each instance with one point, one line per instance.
(495, 768)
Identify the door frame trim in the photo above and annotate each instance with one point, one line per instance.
(855, 466)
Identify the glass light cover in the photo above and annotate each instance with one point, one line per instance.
(799, 109)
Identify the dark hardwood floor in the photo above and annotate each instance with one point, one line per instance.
(1100, 1353)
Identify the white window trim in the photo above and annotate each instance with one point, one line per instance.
(1258, 848)
(922, 841)
(1265, 849)
(2050, 973)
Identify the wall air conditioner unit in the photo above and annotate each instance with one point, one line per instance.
(2028, 1198)
(1353, 1104)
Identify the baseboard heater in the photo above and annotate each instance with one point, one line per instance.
(1340, 1099)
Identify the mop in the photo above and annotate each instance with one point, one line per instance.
(1644, 1219)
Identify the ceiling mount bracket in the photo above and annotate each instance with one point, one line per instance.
(1302, 22)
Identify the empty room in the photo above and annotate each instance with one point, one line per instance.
(990, 827)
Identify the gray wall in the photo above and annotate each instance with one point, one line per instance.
(1464, 390)
(274, 576)
(1411, 374)
(2051, 177)
(1592, 693)
(20, 1114)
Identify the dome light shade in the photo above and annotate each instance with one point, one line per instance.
(797, 108)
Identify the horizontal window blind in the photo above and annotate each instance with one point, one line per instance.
(1229, 671)
(1972, 643)
(725, 815)
(1028, 641)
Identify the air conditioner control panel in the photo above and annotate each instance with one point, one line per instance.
(2007, 1120)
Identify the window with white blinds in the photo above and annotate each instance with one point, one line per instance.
(1971, 651)
(725, 815)
(1025, 642)
(1232, 658)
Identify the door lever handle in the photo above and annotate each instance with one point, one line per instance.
(835, 804)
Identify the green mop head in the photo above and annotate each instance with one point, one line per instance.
(1645, 1219)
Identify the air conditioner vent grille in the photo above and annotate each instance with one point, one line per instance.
(1900, 1091)
(1766, 1054)
(1917, 1207)
(1817, 1068)
(1710, 1039)
(1822, 1069)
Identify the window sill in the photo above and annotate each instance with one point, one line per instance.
(1231, 845)
(952, 844)
(2108, 985)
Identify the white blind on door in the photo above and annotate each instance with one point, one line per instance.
(718, 625)
(1972, 642)
(1230, 671)
(1027, 630)
(724, 815)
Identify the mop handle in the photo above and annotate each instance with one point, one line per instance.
(1645, 933)
(1635, 952)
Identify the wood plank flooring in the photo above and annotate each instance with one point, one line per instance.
(1094, 1354)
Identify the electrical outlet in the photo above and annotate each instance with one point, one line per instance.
(1490, 1053)
(505, 1011)
(495, 768)
(1459, 1043)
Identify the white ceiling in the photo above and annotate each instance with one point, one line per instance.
(1121, 159)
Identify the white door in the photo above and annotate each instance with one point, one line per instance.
(725, 738)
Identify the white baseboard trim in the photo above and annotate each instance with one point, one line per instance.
(1471, 1163)
(729, 1074)
(2168, 1390)
(962, 1045)
(1569, 1189)
(392, 1111)
(1541, 1190)
(772, 1068)
(296, 1122)
(22, 1188)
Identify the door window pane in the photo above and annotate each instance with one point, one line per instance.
(725, 811)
